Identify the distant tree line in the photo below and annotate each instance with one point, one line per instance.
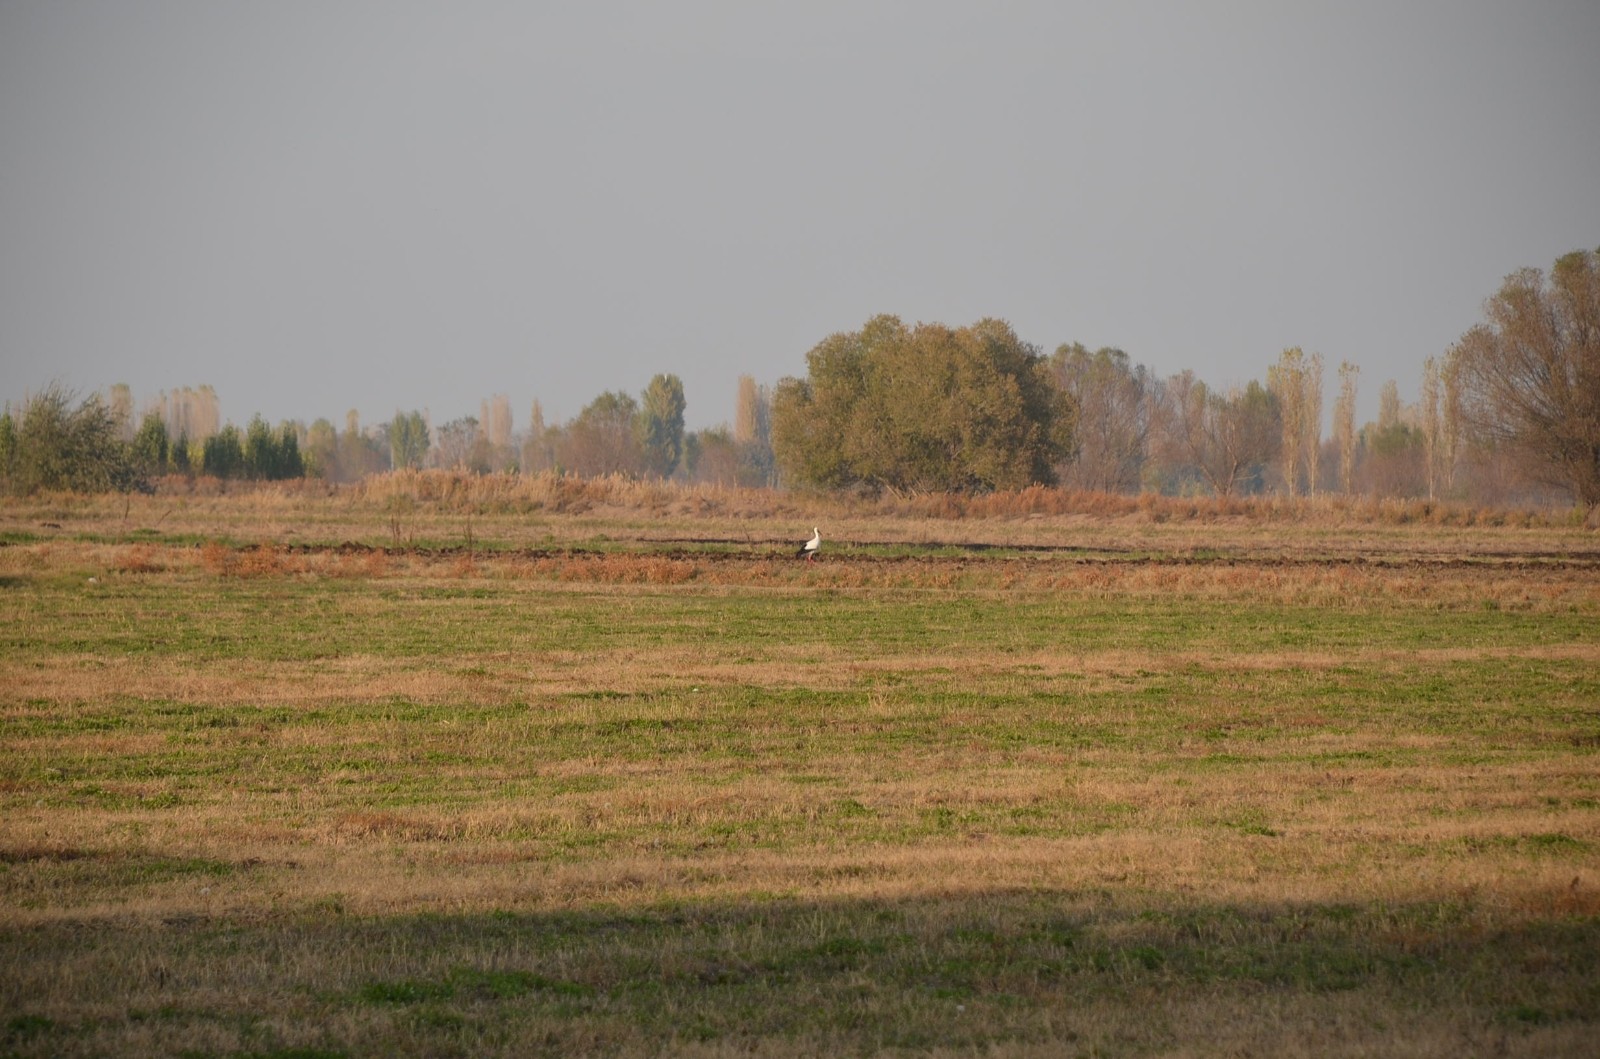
(60, 442)
(646, 437)
(1509, 414)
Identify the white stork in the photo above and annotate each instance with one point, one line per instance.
(809, 549)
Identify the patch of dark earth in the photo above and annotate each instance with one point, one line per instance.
(717, 551)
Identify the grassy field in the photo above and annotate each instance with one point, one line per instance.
(442, 768)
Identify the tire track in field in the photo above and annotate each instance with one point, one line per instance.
(955, 554)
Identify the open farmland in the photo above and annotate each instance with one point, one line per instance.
(423, 769)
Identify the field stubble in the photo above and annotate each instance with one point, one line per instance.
(322, 776)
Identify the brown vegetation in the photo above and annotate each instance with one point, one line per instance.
(552, 493)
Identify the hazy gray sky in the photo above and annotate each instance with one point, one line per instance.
(317, 205)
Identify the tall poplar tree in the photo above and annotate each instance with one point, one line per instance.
(408, 440)
(1296, 382)
(1344, 425)
(660, 425)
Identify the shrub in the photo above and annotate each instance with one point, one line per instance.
(57, 446)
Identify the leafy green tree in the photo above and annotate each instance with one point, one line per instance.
(660, 425)
(408, 440)
(179, 455)
(222, 454)
(813, 418)
(260, 450)
(924, 409)
(57, 446)
(150, 446)
(8, 444)
(272, 455)
(290, 463)
(1529, 376)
